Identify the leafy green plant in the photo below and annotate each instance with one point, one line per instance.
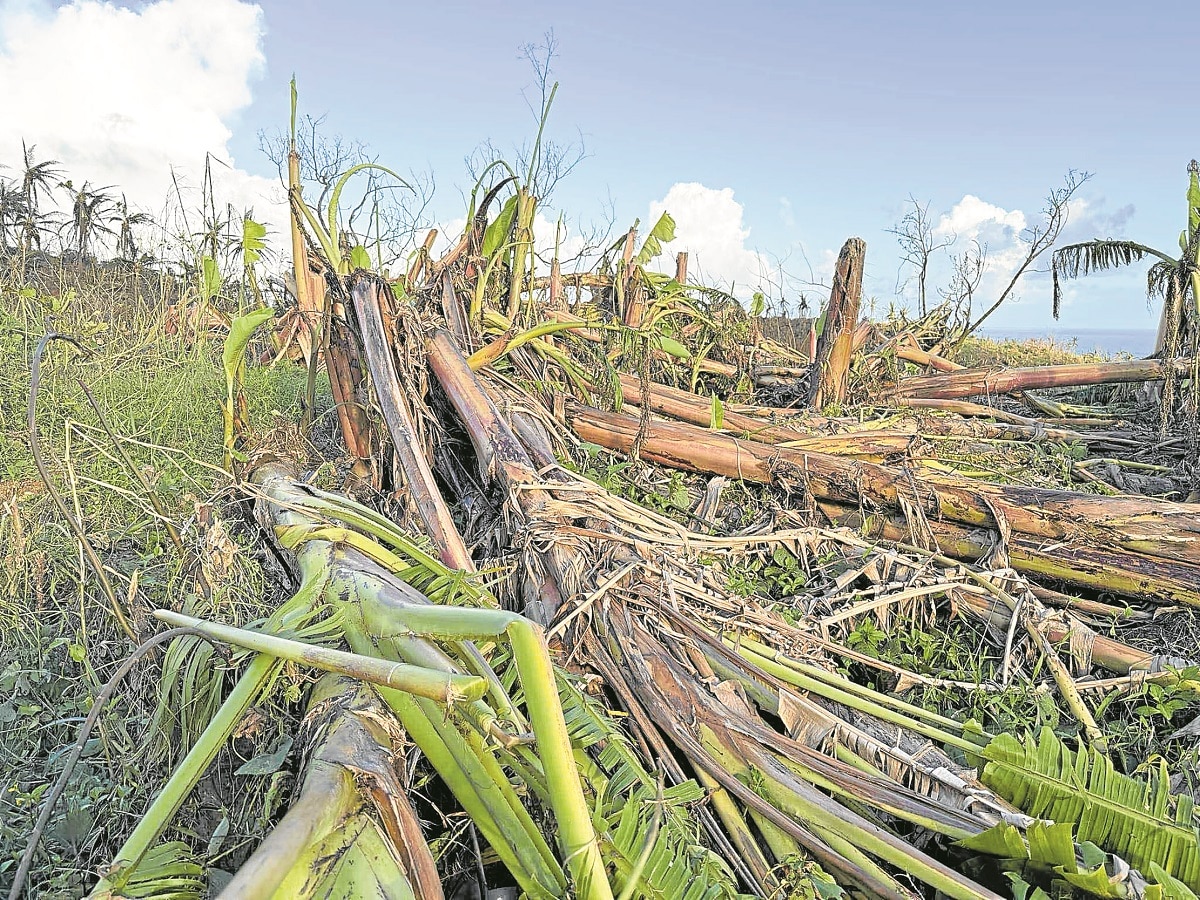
(1136, 818)
(254, 243)
(784, 574)
(1164, 700)
(233, 359)
(867, 636)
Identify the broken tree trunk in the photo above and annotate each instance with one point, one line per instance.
(1090, 567)
(892, 437)
(1128, 529)
(501, 458)
(835, 346)
(988, 381)
(689, 407)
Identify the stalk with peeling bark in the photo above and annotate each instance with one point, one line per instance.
(986, 382)
(1144, 539)
(351, 830)
(835, 346)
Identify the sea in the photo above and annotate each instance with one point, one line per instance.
(1137, 342)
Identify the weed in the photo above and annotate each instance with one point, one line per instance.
(57, 642)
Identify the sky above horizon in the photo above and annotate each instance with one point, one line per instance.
(770, 131)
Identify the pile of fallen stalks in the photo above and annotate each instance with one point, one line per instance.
(608, 709)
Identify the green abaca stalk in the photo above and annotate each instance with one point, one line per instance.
(382, 615)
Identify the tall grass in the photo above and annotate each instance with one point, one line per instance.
(160, 393)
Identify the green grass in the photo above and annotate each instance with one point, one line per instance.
(981, 351)
(58, 641)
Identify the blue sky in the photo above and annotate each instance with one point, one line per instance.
(813, 122)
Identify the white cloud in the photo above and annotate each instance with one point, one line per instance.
(708, 225)
(971, 216)
(786, 215)
(120, 96)
(1089, 218)
(996, 229)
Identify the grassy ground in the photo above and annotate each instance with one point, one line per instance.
(981, 351)
(58, 640)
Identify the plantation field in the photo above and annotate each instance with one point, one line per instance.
(479, 574)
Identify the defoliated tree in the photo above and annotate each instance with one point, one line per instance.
(1039, 238)
(966, 274)
(918, 243)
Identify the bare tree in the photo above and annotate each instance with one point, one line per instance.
(1040, 237)
(380, 212)
(918, 243)
(965, 277)
(544, 161)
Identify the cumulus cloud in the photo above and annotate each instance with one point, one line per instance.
(997, 230)
(970, 216)
(1090, 217)
(121, 96)
(709, 226)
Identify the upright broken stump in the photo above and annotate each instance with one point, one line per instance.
(836, 343)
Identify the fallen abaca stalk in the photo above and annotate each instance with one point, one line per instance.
(1131, 545)
(591, 694)
(987, 382)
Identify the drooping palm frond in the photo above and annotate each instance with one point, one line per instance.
(1076, 260)
(1161, 280)
(1136, 818)
(678, 866)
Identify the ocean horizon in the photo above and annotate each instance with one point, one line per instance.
(1137, 342)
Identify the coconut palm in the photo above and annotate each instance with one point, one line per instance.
(12, 214)
(91, 209)
(1168, 278)
(37, 180)
(126, 221)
